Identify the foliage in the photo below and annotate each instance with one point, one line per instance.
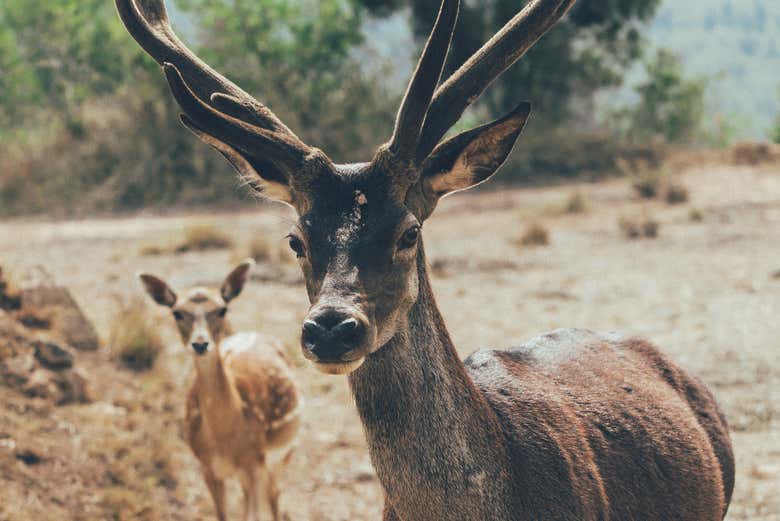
(670, 105)
(738, 42)
(776, 130)
(87, 122)
(297, 56)
(588, 50)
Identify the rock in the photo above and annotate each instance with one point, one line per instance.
(16, 371)
(62, 387)
(67, 320)
(12, 337)
(9, 295)
(73, 388)
(53, 356)
(28, 456)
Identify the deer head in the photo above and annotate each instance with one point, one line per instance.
(358, 236)
(201, 315)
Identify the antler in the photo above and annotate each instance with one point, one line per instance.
(213, 104)
(426, 76)
(484, 66)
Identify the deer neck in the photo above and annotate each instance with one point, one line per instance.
(435, 443)
(216, 393)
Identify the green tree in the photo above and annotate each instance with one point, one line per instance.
(776, 130)
(588, 50)
(296, 56)
(670, 105)
(86, 120)
(59, 54)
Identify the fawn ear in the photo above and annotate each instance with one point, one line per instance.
(473, 156)
(234, 282)
(158, 290)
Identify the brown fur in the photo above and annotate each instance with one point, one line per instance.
(243, 404)
(572, 426)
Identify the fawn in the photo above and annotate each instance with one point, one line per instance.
(243, 405)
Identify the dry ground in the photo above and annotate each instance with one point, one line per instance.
(708, 292)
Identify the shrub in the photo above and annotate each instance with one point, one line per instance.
(676, 194)
(646, 184)
(639, 228)
(260, 249)
(135, 341)
(535, 235)
(150, 250)
(695, 215)
(204, 237)
(575, 203)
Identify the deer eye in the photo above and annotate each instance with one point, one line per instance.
(296, 245)
(222, 312)
(409, 238)
(178, 315)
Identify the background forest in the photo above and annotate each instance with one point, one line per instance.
(87, 124)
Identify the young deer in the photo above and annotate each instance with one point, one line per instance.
(571, 426)
(243, 405)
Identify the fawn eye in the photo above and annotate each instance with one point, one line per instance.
(296, 245)
(222, 312)
(178, 315)
(409, 238)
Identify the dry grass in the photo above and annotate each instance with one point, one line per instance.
(647, 184)
(135, 341)
(676, 194)
(265, 251)
(203, 237)
(575, 203)
(535, 235)
(695, 215)
(151, 250)
(261, 249)
(634, 228)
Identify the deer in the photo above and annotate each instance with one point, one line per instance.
(572, 425)
(243, 406)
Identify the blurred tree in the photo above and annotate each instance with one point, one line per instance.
(86, 120)
(58, 54)
(670, 105)
(296, 56)
(776, 129)
(588, 50)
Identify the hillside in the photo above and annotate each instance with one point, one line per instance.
(736, 43)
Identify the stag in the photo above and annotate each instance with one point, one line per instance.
(573, 425)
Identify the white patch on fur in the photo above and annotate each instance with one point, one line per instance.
(352, 220)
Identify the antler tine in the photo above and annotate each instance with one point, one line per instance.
(147, 22)
(242, 135)
(488, 63)
(426, 77)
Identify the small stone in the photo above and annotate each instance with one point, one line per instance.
(73, 387)
(67, 320)
(28, 457)
(53, 356)
(16, 371)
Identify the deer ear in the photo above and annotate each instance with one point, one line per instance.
(473, 156)
(263, 177)
(234, 282)
(158, 290)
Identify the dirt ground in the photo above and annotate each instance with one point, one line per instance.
(707, 291)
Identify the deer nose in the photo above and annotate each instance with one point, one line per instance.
(331, 334)
(200, 347)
